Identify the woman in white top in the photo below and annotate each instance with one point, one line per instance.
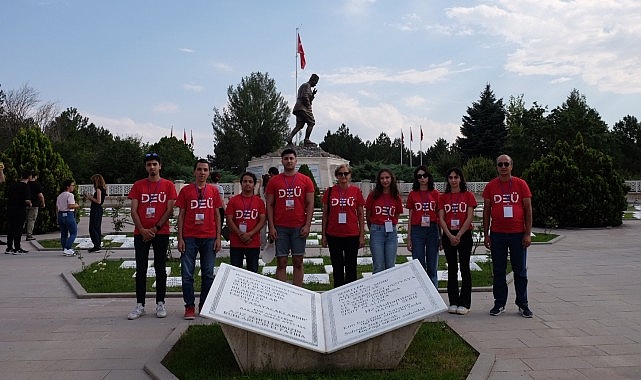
(65, 206)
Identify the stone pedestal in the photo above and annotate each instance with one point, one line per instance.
(321, 163)
(257, 353)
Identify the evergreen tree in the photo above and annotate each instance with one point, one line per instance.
(253, 123)
(344, 144)
(483, 130)
(304, 169)
(177, 158)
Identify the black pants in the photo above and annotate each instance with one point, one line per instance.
(15, 223)
(159, 244)
(343, 252)
(464, 250)
(95, 224)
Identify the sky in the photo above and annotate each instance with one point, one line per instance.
(141, 68)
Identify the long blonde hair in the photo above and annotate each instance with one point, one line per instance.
(98, 181)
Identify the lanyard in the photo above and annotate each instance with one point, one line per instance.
(247, 210)
(288, 186)
(506, 196)
(155, 190)
(427, 201)
(201, 192)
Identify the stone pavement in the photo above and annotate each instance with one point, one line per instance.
(584, 290)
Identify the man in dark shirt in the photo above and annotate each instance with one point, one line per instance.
(37, 200)
(18, 198)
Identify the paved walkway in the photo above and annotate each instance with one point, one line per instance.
(586, 296)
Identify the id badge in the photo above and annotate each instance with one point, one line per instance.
(289, 204)
(200, 219)
(389, 227)
(150, 213)
(242, 227)
(507, 212)
(425, 221)
(342, 217)
(454, 224)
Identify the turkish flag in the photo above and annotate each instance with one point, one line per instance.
(301, 51)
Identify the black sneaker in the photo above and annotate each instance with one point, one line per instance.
(8, 251)
(94, 249)
(29, 238)
(525, 312)
(497, 310)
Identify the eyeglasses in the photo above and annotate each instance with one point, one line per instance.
(342, 174)
(502, 164)
(154, 155)
(422, 175)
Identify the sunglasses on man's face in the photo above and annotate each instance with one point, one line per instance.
(502, 164)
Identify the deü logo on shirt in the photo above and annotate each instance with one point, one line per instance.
(246, 214)
(290, 193)
(385, 210)
(426, 206)
(342, 202)
(154, 198)
(506, 198)
(201, 203)
(455, 207)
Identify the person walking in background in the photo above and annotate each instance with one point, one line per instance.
(37, 201)
(383, 207)
(343, 225)
(18, 199)
(199, 227)
(65, 207)
(96, 210)
(152, 204)
(423, 235)
(246, 216)
(456, 211)
(507, 224)
(290, 208)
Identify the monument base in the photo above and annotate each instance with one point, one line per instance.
(257, 353)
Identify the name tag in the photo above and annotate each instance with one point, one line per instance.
(289, 204)
(200, 218)
(150, 213)
(342, 217)
(508, 212)
(454, 224)
(242, 227)
(425, 221)
(389, 227)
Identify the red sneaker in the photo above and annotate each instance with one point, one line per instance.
(190, 312)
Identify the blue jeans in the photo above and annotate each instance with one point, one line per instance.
(68, 229)
(425, 249)
(501, 243)
(188, 265)
(383, 246)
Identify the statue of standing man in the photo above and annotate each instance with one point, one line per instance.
(303, 110)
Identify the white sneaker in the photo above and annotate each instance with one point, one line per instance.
(452, 309)
(462, 310)
(138, 312)
(69, 252)
(161, 310)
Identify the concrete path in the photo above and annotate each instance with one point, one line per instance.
(585, 291)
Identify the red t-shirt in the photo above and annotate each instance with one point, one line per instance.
(245, 210)
(384, 208)
(455, 206)
(289, 194)
(423, 203)
(201, 207)
(344, 201)
(501, 196)
(152, 202)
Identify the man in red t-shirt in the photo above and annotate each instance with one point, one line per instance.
(507, 224)
(152, 203)
(199, 225)
(290, 207)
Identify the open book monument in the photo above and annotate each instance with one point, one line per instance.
(369, 323)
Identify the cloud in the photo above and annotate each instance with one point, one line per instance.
(165, 107)
(415, 101)
(221, 66)
(193, 87)
(591, 40)
(357, 6)
(125, 127)
(187, 50)
(359, 75)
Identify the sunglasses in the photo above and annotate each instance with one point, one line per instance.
(424, 175)
(151, 155)
(502, 164)
(342, 174)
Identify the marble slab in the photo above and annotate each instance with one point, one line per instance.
(151, 272)
(316, 278)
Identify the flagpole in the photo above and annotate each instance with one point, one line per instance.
(420, 145)
(411, 138)
(296, 63)
(402, 146)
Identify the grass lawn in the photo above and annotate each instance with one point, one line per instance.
(436, 352)
(107, 277)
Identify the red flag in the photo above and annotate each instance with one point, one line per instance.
(191, 133)
(411, 137)
(421, 133)
(301, 51)
(184, 136)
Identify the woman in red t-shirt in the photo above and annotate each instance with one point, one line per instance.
(383, 206)
(343, 225)
(456, 210)
(245, 218)
(423, 234)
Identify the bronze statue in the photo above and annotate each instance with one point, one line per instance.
(303, 110)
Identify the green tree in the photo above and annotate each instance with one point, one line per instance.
(577, 186)
(344, 144)
(32, 150)
(527, 129)
(479, 169)
(383, 149)
(483, 130)
(627, 136)
(441, 157)
(177, 158)
(304, 169)
(253, 123)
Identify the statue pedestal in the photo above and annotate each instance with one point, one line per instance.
(321, 163)
(256, 353)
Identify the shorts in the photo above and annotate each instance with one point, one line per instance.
(289, 240)
(304, 116)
